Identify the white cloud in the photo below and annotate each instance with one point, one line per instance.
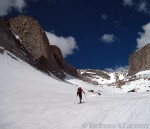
(142, 6)
(7, 5)
(66, 44)
(144, 36)
(117, 69)
(139, 5)
(128, 3)
(104, 17)
(108, 38)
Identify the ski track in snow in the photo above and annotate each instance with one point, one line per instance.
(30, 99)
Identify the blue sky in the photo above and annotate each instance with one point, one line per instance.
(97, 34)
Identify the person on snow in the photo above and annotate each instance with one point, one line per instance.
(79, 93)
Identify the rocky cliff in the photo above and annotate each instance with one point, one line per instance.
(139, 60)
(25, 33)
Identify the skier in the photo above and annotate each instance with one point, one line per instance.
(79, 92)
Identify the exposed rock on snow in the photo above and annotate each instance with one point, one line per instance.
(1, 50)
(139, 82)
(99, 77)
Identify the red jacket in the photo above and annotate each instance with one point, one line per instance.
(79, 91)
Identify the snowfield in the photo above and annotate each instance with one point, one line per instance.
(29, 99)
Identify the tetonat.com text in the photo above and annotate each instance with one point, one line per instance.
(114, 126)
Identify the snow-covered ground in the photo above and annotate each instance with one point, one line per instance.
(30, 99)
(139, 82)
(87, 86)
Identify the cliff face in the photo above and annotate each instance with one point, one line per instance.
(9, 43)
(26, 32)
(139, 60)
(31, 34)
(62, 64)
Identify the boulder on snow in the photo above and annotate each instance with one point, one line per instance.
(133, 90)
(97, 93)
(91, 91)
(1, 50)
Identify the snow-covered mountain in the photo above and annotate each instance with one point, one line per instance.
(120, 80)
(99, 77)
(139, 82)
(34, 94)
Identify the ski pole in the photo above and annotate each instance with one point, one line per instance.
(75, 100)
(85, 97)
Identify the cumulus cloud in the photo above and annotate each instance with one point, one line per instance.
(66, 44)
(128, 3)
(117, 69)
(139, 5)
(144, 38)
(104, 17)
(108, 38)
(6, 6)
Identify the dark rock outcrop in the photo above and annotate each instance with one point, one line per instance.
(9, 43)
(139, 60)
(99, 73)
(63, 65)
(32, 36)
(24, 36)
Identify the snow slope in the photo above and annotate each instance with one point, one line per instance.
(30, 99)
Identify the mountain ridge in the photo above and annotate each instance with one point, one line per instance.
(24, 37)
